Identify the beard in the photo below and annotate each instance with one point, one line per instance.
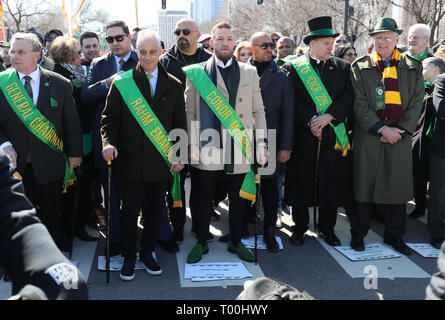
(183, 43)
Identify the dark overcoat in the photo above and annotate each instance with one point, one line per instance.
(334, 171)
(138, 159)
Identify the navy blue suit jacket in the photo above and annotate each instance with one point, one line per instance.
(279, 101)
(95, 91)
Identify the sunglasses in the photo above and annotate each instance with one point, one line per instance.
(206, 46)
(265, 45)
(118, 38)
(341, 41)
(351, 54)
(49, 39)
(185, 32)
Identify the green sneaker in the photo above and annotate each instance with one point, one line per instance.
(242, 251)
(197, 252)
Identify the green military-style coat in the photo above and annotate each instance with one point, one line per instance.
(383, 172)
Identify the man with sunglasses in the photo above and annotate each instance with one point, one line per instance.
(103, 71)
(341, 40)
(319, 170)
(279, 102)
(50, 36)
(184, 52)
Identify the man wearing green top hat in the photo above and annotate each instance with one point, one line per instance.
(389, 91)
(319, 170)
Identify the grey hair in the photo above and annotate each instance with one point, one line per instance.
(147, 34)
(31, 37)
(436, 62)
(426, 29)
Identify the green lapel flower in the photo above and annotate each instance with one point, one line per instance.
(53, 102)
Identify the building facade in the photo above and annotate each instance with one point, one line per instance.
(166, 25)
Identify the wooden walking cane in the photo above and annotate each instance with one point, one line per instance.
(76, 206)
(257, 211)
(107, 242)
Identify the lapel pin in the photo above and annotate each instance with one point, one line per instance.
(330, 68)
(46, 84)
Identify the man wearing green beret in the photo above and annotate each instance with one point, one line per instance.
(389, 91)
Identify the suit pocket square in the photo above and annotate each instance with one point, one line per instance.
(53, 102)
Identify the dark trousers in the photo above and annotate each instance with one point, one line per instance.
(46, 198)
(327, 217)
(85, 199)
(134, 195)
(269, 194)
(116, 196)
(165, 230)
(394, 217)
(204, 184)
(421, 166)
(96, 188)
(436, 210)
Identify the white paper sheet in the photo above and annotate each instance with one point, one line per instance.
(373, 251)
(216, 271)
(250, 243)
(426, 250)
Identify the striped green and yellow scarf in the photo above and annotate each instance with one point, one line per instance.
(393, 103)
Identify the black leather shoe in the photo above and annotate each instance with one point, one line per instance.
(83, 235)
(169, 245)
(437, 242)
(297, 239)
(269, 240)
(416, 214)
(357, 244)
(330, 238)
(398, 245)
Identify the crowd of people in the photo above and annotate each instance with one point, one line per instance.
(366, 134)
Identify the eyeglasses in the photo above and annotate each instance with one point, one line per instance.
(383, 39)
(118, 38)
(265, 45)
(49, 39)
(351, 54)
(185, 32)
(275, 39)
(341, 41)
(206, 46)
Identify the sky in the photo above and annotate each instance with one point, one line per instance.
(125, 10)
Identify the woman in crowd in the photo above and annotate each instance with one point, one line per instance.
(347, 53)
(242, 51)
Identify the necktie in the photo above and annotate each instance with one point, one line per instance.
(121, 63)
(28, 87)
(149, 76)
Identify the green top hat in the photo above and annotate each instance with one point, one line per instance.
(386, 24)
(320, 27)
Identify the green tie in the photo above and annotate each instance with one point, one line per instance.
(149, 76)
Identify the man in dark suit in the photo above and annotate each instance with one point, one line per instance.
(184, 52)
(315, 138)
(42, 168)
(279, 101)
(144, 171)
(94, 92)
(27, 252)
(436, 210)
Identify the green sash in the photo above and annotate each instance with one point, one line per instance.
(23, 106)
(321, 98)
(150, 124)
(228, 117)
